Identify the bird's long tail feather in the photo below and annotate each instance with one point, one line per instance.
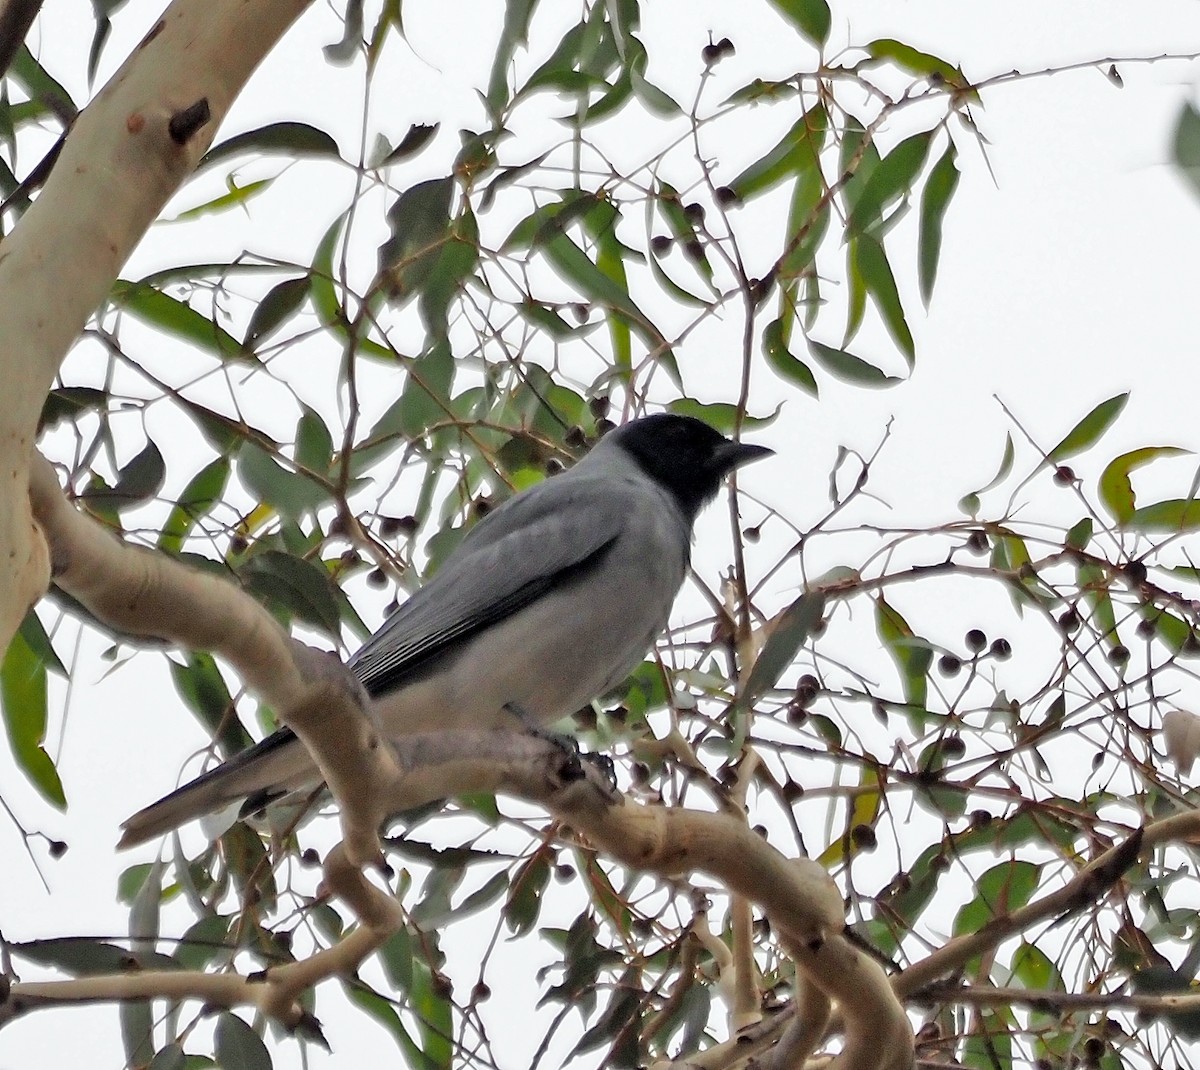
(278, 764)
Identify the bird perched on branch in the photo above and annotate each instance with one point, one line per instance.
(548, 602)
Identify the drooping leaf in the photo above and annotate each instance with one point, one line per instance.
(935, 199)
(175, 317)
(34, 633)
(1185, 146)
(849, 368)
(278, 305)
(810, 17)
(314, 444)
(203, 690)
(454, 264)
(419, 222)
(1088, 431)
(890, 179)
(791, 631)
(1116, 488)
(23, 696)
(969, 503)
(290, 139)
(876, 273)
(786, 364)
(1173, 515)
(922, 64)
(239, 1045)
(203, 491)
(33, 78)
(513, 35)
(798, 149)
(912, 655)
(419, 135)
(139, 480)
(293, 494)
(302, 587)
(235, 197)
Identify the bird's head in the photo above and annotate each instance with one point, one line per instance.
(685, 455)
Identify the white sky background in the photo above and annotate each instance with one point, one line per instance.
(1069, 277)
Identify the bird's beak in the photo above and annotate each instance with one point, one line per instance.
(735, 454)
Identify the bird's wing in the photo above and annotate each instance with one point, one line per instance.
(530, 546)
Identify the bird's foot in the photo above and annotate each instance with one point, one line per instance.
(572, 768)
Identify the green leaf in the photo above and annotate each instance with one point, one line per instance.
(1035, 970)
(1079, 534)
(513, 35)
(525, 894)
(1116, 489)
(990, 1044)
(912, 655)
(203, 491)
(1185, 147)
(419, 222)
(797, 150)
(278, 305)
(202, 688)
(789, 634)
(576, 268)
(35, 636)
(171, 1057)
(786, 363)
(849, 368)
(314, 444)
(810, 17)
(382, 1011)
(876, 273)
(654, 99)
(1088, 431)
(302, 587)
(32, 77)
(935, 199)
(424, 400)
(454, 264)
(430, 1002)
(239, 1045)
(325, 298)
(720, 414)
(23, 696)
(142, 478)
(1174, 515)
(890, 179)
(922, 64)
(177, 318)
(290, 139)
(234, 198)
(419, 135)
(70, 403)
(293, 494)
(82, 956)
(969, 504)
(1004, 888)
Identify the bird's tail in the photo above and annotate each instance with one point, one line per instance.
(278, 765)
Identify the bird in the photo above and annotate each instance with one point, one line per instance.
(548, 602)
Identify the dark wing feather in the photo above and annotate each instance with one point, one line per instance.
(530, 546)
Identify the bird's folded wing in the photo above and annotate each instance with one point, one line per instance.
(514, 557)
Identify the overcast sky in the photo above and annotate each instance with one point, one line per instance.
(1069, 272)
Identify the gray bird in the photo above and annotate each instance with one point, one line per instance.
(548, 602)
